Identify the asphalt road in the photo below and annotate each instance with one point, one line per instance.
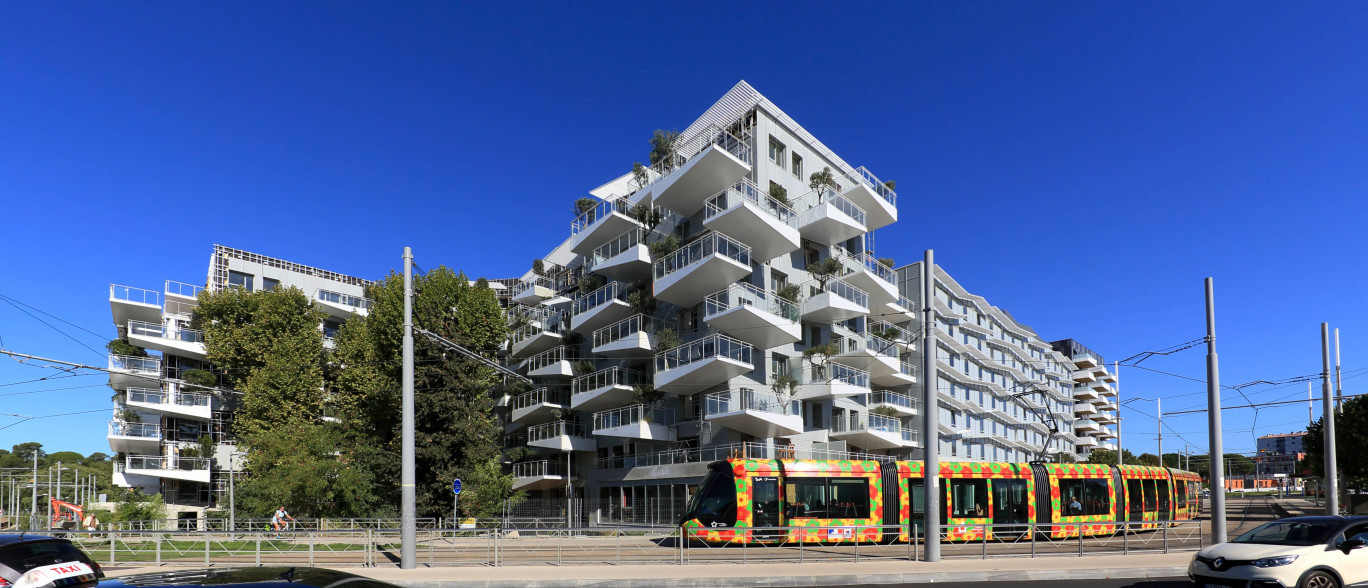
(1164, 583)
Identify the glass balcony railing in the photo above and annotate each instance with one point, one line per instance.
(746, 191)
(555, 429)
(686, 148)
(602, 210)
(553, 325)
(341, 299)
(848, 292)
(174, 333)
(747, 450)
(536, 469)
(710, 347)
(627, 327)
(749, 399)
(630, 415)
(134, 295)
(151, 462)
(547, 358)
(139, 365)
(867, 178)
(866, 422)
(709, 244)
(743, 294)
(143, 430)
(614, 248)
(182, 289)
(881, 346)
(894, 398)
(854, 262)
(831, 373)
(891, 332)
(149, 396)
(911, 436)
(611, 291)
(613, 376)
(551, 396)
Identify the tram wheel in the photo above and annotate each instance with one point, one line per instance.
(1319, 579)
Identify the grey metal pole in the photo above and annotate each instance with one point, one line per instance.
(931, 414)
(33, 500)
(1310, 405)
(58, 495)
(1159, 425)
(1116, 367)
(1339, 389)
(408, 525)
(1216, 461)
(232, 494)
(569, 499)
(1331, 468)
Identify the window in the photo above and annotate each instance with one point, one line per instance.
(1084, 497)
(269, 284)
(240, 280)
(797, 166)
(779, 365)
(776, 151)
(778, 280)
(968, 499)
(827, 498)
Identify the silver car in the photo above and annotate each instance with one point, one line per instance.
(1305, 552)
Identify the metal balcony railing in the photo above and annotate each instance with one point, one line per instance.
(137, 365)
(551, 396)
(749, 399)
(535, 469)
(599, 297)
(613, 376)
(173, 333)
(712, 346)
(552, 325)
(911, 436)
(341, 299)
(848, 292)
(134, 295)
(892, 332)
(686, 148)
(555, 429)
(547, 358)
(867, 178)
(602, 210)
(144, 430)
(628, 415)
(629, 326)
(746, 191)
(743, 294)
(866, 422)
(701, 248)
(832, 372)
(894, 398)
(182, 289)
(615, 247)
(747, 450)
(184, 464)
(854, 262)
(150, 396)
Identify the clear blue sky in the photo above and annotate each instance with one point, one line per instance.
(1083, 165)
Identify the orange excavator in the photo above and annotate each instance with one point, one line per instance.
(65, 515)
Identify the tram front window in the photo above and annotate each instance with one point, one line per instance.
(715, 503)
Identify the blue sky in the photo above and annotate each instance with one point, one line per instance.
(1083, 165)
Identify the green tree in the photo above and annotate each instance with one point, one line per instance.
(662, 147)
(824, 270)
(133, 506)
(1351, 444)
(1108, 456)
(778, 192)
(1148, 459)
(123, 347)
(823, 179)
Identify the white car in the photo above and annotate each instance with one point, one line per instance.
(1302, 552)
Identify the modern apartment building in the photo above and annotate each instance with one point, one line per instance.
(1095, 397)
(160, 418)
(1279, 454)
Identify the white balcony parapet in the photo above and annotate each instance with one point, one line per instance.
(828, 217)
(185, 468)
(637, 421)
(903, 403)
(831, 380)
(604, 305)
(814, 199)
(343, 302)
(605, 388)
(535, 338)
(173, 333)
(552, 396)
(873, 183)
(549, 363)
(686, 148)
(848, 292)
(624, 258)
(175, 401)
(746, 191)
(561, 435)
(182, 290)
(711, 244)
(539, 469)
(760, 413)
(136, 365)
(142, 430)
(705, 362)
(753, 315)
(600, 211)
(840, 301)
(632, 333)
(768, 226)
(134, 295)
(871, 431)
(744, 294)
(699, 268)
(853, 262)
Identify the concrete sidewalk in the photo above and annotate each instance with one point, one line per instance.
(759, 575)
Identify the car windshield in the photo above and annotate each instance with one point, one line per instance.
(27, 555)
(1299, 533)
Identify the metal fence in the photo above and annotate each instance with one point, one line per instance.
(517, 546)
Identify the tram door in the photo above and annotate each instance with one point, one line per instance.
(765, 501)
(1009, 506)
(916, 494)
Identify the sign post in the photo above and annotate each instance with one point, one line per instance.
(456, 501)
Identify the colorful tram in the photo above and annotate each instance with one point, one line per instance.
(848, 501)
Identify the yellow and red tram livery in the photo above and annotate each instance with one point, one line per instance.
(843, 501)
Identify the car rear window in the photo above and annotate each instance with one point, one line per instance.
(25, 556)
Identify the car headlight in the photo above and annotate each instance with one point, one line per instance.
(1273, 562)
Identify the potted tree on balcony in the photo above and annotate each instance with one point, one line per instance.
(823, 271)
(819, 356)
(822, 181)
(663, 149)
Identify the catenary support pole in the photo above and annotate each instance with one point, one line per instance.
(1339, 389)
(1328, 413)
(408, 526)
(1216, 461)
(33, 500)
(232, 495)
(1159, 427)
(1116, 367)
(931, 416)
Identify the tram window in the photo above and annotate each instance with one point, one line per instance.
(1084, 497)
(850, 498)
(917, 490)
(1150, 492)
(1163, 497)
(969, 498)
(806, 497)
(1181, 493)
(717, 500)
(1133, 498)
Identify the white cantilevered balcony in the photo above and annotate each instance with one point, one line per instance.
(535, 338)
(134, 437)
(340, 305)
(698, 365)
(1103, 417)
(760, 413)
(625, 258)
(174, 402)
(828, 218)
(1082, 376)
(561, 436)
(768, 226)
(1088, 442)
(1085, 394)
(633, 336)
(190, 469)
(638, 421)
(901, 310)
(171, 338)
(1085, 409)
(601, 224)
(696, 169)
(755, 316)
(868, 431)
(833, 380)
(601, 307)
(552, 363)
(1105, 433)
(878, 356)
(533, 290)
(840, 301)
(541, 475)
(903, 404)
(606, 388)
(870, 194)
(183, 292)
(128, 303)
(538, 406)
(1085, 426)
(867, 273)
(1100, 386)
(699, 268)
(1084, 361)
(126, 371)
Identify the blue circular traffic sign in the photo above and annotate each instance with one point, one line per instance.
(456, 486)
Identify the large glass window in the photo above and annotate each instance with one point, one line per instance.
(1135, 498)
(776, 151)
(716, 502)
(1181, 491)
(1084, 497)
(827, 498)
(1151, 494)
(240, 280)
(850, 497)
(968, 498)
